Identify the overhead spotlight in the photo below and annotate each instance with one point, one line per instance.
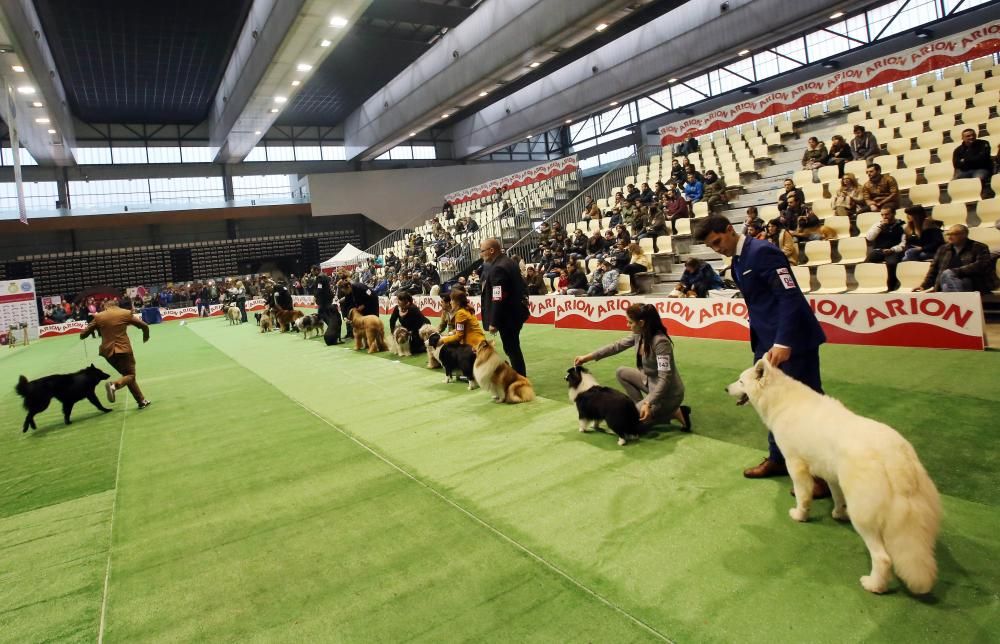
(274, 110)
(528, 137)
(36, 104)
(601, 27)
(923, 33)
(280, 99)
(744, 52)
(834, 16)
(750, 91)
(303, 67)
(26, 89)
(413, 133)
(613, 103)
(444, 116)
(51, 131)
(42, 119)
(831, 64)
(17, 68)
(338, 21)
(296, 83)
(256, 133)
(673, 80)
(325, 43)
(534, 64)
(482, 94)
(568, 121)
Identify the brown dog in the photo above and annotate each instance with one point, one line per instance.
(287, 318)
(368, 332)
(265, 323)
(495, 375)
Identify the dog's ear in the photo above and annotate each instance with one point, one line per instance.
(761, 368)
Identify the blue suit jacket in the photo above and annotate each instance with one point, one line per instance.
(779, 313)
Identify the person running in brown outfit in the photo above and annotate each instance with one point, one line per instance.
(113, 323)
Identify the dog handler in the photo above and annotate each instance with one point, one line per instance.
(655, 384)
(113, 323)
(504, 300)
(411, 318)
(783, 329)
(467, 328)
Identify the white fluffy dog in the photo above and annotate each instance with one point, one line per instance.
(873, 473)
(425, 333)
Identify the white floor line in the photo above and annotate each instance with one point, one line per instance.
(551, 566)
(111, 530)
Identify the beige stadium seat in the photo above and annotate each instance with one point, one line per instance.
(911, 275)
(665, 244)
(803, 277)
(832, 278)
(853, 250)
(911, 130)
(624, 284)
(965, 190)
(975, 116)
(823, 208)
(814, 192)
(905, 178)
(701, 209)
(883, 134)
(936, 173)
(916, 91)
(991, 83)
(934, 98)
(770, 211)
(858, 168)
(904, 106)
(866, 220)
(986, 98)
(878, 92)
(646, 244)
(926, 79)
(950, 214)
(941, 123)
(818, 253)
(898, 146)
(683, 226)
(954, 106)
(955, 71)
(988, 210)
(893, 120)
(869, 104)
(888, 162)
(918, 158)
(802, 177)
(855, 118)
(829, 174)
(923, 114)
(982, 64)
(871, 278)
(988, 235)
(944, 84)
(785, 127)
(925, 194)
(928, 141)
(963, 91)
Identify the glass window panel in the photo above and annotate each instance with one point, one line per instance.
(38, 195)
(334, 153)
(917, 12)
(196, 154)
(115, 192)
(90, 156)
(823, 44)
(280, 153)
(308, 153)
(262, 186)
(424, 152)
(583, 130)
(590, 162)
(611, 136)
(26, 158)
(726, 81)
(187, 189)
(617, 155)
(648, 109)
(401, 153)
(126, 155)
(683, 95)
(615, 118)
(766, 64)
(257, 154)
(951, 5)
(794, 50)
(383, 157)
(164, 154)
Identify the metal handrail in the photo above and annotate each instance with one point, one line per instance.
(380, 247)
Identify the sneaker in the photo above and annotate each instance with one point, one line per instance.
(144, 404)
(109, 389)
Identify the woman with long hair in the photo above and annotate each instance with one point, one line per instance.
(848, 200)
(639, 263)
(468, 330)
(777, 235)
(654, 383)
(921, 234)
(409, 316)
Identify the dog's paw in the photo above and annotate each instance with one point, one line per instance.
(622, 441)
(799, 515)
(840, 514)
(873, 585)
(447, 380)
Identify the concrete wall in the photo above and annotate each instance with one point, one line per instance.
(394, 198)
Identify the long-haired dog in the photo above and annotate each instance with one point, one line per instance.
(495, 375)
(454, 358)
(233, 315)
(873, 473)
(257, 317)
(286, 319)
(265, 323)
(399, 342)
(334, 322)
(596, 404)
(426, 332)
(368, 332)
(310, 324)
(69, 389)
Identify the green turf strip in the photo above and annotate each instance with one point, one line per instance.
(668, 528)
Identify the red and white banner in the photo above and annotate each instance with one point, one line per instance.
(538, 173)
(937, 320)
(66, 328)
(974, 43)
(543, 309)
(428, 305)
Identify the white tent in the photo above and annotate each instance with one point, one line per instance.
(347, 256)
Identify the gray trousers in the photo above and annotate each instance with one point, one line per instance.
(636, 385)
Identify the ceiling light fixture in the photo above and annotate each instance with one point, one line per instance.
(601, 27)
(834, 16)
(338, 22)
(482, 94)
(257, 133)
(42, 119)
(325, 43)
(831, 64)
(528, 137)
(923, 33)
(672, 80)
(413, 133)
(534, 64)
(280, 99)
(744, 52)
(26, 89)
(17, 68)
(303, 67)
(444, 116)
(36, 104)
(274, 110)
(613, 103)
(52, 131)
(296, 83)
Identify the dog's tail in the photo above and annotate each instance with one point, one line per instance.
(22, 387)
(911, 526)
(520, 391)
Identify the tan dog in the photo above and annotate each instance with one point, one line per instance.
(400, 342)
(425, 333)
(265, 323)
(287, 318)
(495, 375)
(368, 332)
(233, 315)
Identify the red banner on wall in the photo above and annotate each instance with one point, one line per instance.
(538, 173)
(968, 45)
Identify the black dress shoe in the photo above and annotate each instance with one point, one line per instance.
(686, 412)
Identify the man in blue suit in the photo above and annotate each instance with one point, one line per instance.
(783, 328)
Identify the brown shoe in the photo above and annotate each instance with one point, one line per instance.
(820, 489)
(767, 468)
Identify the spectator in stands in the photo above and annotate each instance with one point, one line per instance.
(557, 264)
(411, 318)
(659, 190)
(922, 235)
(972, 159)
(809, 228)
(204, 299)
(646, 195)
(674, 207)
(591, 210)
(640, 220)
(777, 235)
(752, 216)
(536, 285)
(839, 154)
(697, 279)
(618, 205)
(576, 281)
(694, 190)
(448, 210)
(622, 235)
(887, 243)
(849, 200)
(863, 145)
(595, 245)
(714, 190)
(677, 173)
(656, 227)
(815, 155)
(632, 193)
(996, 161)
(609, 281)
(578, 244)
(880, 191)
(793, 210)
(790, 189)
(962, 264)
(638, 262)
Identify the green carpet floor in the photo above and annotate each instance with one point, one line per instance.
(280, 490)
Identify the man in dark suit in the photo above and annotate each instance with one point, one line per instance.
(783, 328)
(504, 300)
